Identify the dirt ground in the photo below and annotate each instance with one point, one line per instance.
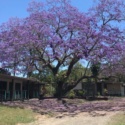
(85, 118)
(72, 111)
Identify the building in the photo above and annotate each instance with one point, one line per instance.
(115, 88)
(16, 88)
(111, 88)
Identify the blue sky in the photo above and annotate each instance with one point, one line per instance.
(18, 8)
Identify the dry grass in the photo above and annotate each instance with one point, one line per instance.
(12, 116)
(118, 119)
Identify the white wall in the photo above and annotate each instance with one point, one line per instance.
(79, 86)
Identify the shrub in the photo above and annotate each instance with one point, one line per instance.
(80, 93)
(50, 90)
(71, 94)
(105, 92)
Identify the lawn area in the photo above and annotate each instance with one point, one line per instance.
(12, 116)
(118, 119)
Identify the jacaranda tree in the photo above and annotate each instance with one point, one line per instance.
(57, 35)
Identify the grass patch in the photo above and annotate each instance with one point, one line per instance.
(12, 116)
(118, 119)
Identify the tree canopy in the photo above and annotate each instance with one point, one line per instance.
(58, 36)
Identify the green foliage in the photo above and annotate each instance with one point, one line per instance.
(95, 69)
(105, 91)
(60, 76)
(50, 90)
(45, 75)
(98, 94)
(80, 93)
(12, 116)
(77, 72)
(56, 83)
(71, 94)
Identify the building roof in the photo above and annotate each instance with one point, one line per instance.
(33, 80)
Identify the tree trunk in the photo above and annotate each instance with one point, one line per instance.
(59, 91)
(95, 84)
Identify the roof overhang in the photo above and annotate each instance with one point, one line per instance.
(8, 77)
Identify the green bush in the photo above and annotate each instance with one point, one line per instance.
(105, 92)
(79, 93)
(71, 94)
(50, 90)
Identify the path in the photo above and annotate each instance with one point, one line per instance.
(93, 118)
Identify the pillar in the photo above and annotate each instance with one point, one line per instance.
(28, 90)
(13, 82)
(7, 89)
(21, 90)
(102, 87)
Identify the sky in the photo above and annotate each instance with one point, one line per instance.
(18, 8)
